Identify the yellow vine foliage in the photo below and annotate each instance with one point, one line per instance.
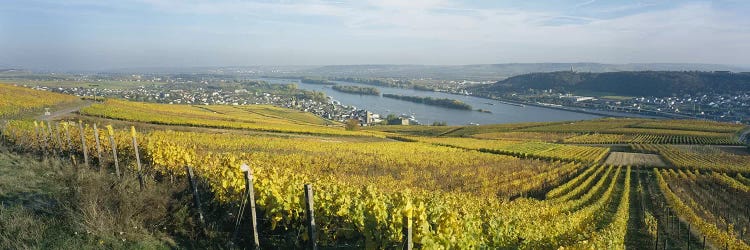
(454, 198)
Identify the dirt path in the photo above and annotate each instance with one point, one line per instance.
(64, 111)
(634, 159)
(637, 236)
(672, 229)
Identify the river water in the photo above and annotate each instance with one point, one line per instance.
(426, 114)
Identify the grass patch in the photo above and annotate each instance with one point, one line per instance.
(49, 204)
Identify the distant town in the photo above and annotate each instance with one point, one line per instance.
(243, 89)
(718, 107)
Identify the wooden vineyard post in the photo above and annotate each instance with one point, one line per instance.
(687, 236)
(668, 219)
(704, 242)
(36, 135)
(408, 242)
(70, 143)
(43, 138)
(656, 243)
(40, 138)
(310, 217)
(111, 133)
(51, 138)
(67, 138)
(196, 197)
(83, 144)
(47, 131)
(58, 137)
(671, 220)
(2, 131)
(98, 148)
(137, 157)
(250, 190)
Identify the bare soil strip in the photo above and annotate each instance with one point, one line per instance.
(634, 159)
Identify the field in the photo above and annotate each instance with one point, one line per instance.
(634, 159)
(509, 186)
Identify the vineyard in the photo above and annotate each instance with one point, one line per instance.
(454, 131)
(619, 131)
(704, 202)
(642, 126)
(19, 100)
(602, 131)
(260, 118)
(698, 158)
(525, 136)
(692, 125)
(507, 186)
(370, 192)
(593, 126)
(523, 149)
(651, 139)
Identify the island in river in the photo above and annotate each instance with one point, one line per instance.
(442, 102)
(356, 89)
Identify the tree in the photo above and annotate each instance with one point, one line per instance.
(352, 124)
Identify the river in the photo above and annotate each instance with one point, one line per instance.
(427, 114)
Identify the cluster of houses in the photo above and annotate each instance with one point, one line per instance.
(728, 108)
(329, 109)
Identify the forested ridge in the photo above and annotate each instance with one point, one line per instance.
(631, 83)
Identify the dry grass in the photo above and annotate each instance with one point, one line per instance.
(49, 204)
(116, 212)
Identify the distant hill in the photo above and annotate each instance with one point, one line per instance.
(474, 72)
(484, 72)
(11, 70)
(631, 83)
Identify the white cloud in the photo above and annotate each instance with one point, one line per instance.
(443, 32)
(584, 3)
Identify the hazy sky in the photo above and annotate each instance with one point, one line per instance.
(97, 34)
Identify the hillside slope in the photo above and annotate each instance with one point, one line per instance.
(635, 83)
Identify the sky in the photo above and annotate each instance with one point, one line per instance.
(98, 35)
